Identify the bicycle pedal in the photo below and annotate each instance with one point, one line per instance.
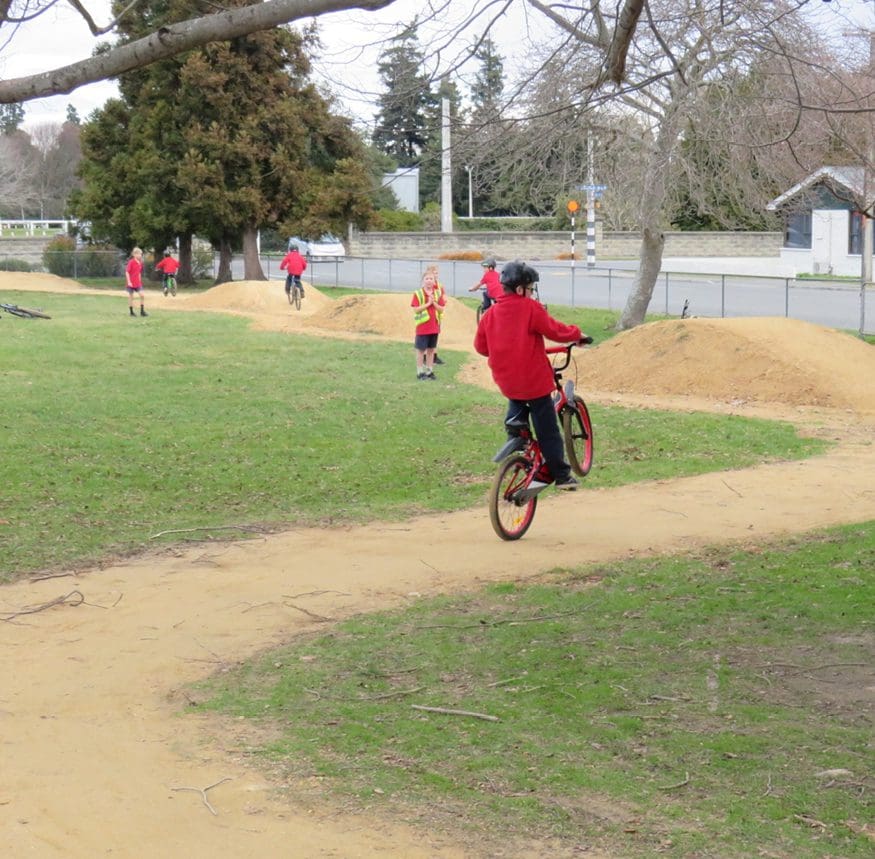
(525, 495)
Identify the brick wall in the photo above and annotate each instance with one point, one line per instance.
(29, 250)
(534, 246)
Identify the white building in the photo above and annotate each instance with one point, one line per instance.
(404, 183)
(822, 221)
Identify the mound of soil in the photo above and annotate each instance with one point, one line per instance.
(760, 359)
(254, 298)
(391, 316)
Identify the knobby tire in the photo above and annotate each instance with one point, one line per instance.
(510, 519)
(296, 297)
(577, 429)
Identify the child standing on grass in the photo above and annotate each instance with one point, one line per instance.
(512, 336)
(134, 280)
(427, 302)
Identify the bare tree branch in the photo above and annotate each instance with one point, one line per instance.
(171, 40)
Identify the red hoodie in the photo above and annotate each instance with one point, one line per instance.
(512, 336)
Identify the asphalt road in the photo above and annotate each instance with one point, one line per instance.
(836, 304)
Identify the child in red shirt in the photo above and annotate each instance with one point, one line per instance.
(295, 265)
(134, 281)
(490, 283)
(168, 266)
(428, 303)
(512, 336)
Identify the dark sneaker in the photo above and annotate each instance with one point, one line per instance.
(437, 360)
(569, 484)
(431, 376)
(143, 313)
(421, 377)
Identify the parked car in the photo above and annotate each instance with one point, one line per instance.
(327, 247)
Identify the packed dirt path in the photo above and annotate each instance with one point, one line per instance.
(93, 739)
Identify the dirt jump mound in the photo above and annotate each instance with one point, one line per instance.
(761, 359)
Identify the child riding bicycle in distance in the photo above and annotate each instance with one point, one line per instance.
(168, 267)
(295, 265)
(490, 283)
(512, 336)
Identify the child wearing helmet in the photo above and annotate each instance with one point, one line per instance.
(168, 267)
(490, 283)
(295, 265)
(512, 336)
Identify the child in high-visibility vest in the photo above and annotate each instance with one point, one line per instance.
(428, 303)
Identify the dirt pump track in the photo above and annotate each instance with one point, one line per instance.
(97, 760)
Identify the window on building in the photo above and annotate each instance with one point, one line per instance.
(797, 233)
(855, 233)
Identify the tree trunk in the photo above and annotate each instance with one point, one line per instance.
(225, 256)
(252, 269)
(185, 274)
(649, 264)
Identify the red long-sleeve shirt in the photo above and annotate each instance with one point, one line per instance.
(512, 336)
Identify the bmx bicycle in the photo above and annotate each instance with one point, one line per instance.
(24, 312)
(294, 290)
(512, 499)
(170, 284)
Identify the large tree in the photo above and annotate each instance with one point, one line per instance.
(408, 102)
(224, 141)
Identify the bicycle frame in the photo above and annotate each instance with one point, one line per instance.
(513, 499)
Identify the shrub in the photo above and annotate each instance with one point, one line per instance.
(63, 259)
(15, 265)
(397, 221)
(470, 256)
(58, 256)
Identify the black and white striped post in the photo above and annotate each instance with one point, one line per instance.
(590, 228)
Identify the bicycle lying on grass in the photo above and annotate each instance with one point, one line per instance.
(24, 312)
(512, 500)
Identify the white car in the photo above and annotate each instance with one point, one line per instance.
(327, 247)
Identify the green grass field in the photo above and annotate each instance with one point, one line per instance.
(116, 429)
(706, 704)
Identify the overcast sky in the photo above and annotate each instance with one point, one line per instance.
(352, 42)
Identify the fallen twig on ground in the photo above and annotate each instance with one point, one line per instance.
(203, 792)
(448, 712)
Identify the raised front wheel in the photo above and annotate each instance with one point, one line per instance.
(510, 517)
(577, 429)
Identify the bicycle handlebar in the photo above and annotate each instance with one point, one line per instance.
(585, 340)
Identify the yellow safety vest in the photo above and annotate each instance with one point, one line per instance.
(421, 315)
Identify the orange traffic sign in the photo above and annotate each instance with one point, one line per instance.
(573, 206)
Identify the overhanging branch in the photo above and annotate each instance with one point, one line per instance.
(172, 40)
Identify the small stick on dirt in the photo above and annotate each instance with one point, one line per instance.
(731, 489)
(203, 792)
(447, 712)
(319, 617)
(254, 528)
(315, 594)
(50, 576)
(830, 665)
(57, 601)
(768, 789)
(679, 784)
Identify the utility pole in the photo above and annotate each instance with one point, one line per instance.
(469, 168)
(446, 170)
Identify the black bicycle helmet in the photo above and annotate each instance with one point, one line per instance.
(489, 262)
(292, 248)
(518, 273)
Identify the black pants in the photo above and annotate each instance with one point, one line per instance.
(547, 430)
(297, 279)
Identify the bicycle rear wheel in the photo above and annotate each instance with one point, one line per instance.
(27, 313)
(295, 297)
(173, 286)
(511, 518)
(577, 429)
